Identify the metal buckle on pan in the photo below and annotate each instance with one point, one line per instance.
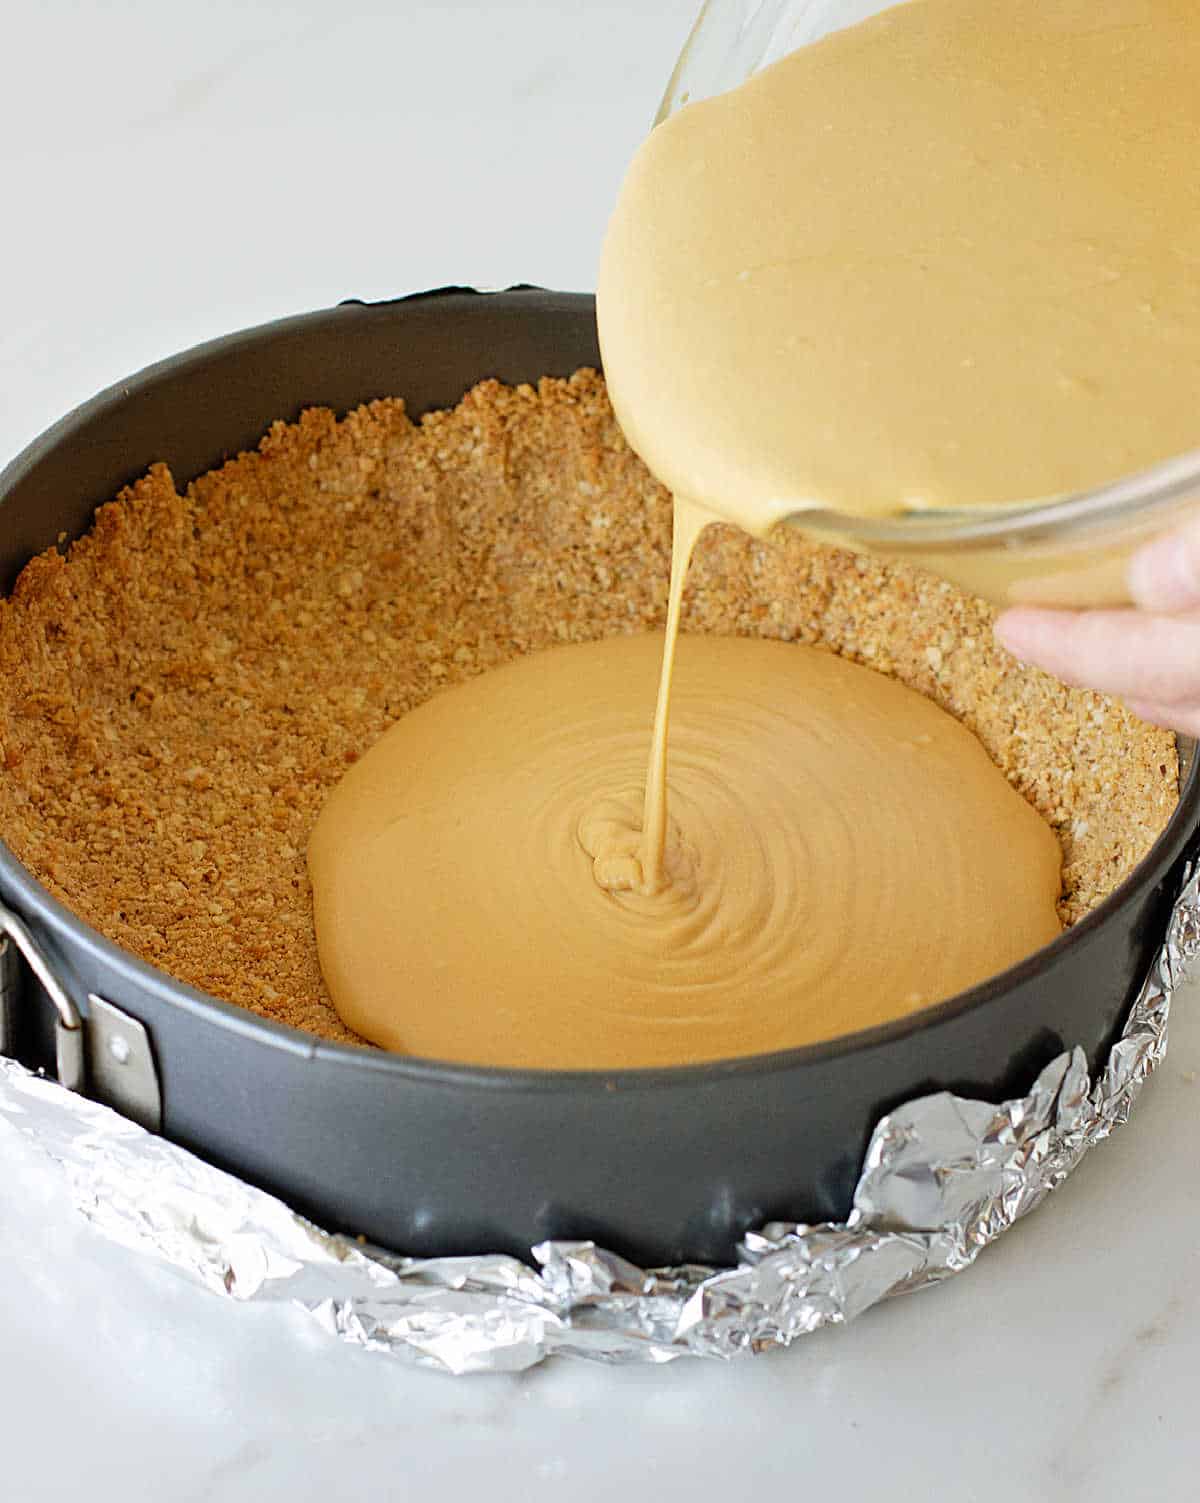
(68, 1025)
(108, 1053)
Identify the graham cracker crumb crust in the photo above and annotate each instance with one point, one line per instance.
(179, 693)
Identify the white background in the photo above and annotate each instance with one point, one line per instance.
(173, 171)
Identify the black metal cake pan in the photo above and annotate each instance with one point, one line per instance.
(664, 1165)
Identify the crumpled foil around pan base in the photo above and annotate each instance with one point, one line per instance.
(943, 1177)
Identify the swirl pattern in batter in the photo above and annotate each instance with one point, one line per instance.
(838, 852)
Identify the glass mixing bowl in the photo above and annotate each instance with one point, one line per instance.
(1062, 551)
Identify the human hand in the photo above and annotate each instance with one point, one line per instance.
(1148, 656)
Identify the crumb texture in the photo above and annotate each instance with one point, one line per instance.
(181, 690)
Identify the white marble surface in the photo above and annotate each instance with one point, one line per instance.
(174, 170)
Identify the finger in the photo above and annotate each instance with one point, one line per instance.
(1185, 718)
(1164, 576)
(1154, 659)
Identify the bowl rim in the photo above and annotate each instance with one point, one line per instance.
(37, 904)
(1136, 501)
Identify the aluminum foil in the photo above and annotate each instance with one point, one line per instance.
(943, 1176)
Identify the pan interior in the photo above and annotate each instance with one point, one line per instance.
(179, 695)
